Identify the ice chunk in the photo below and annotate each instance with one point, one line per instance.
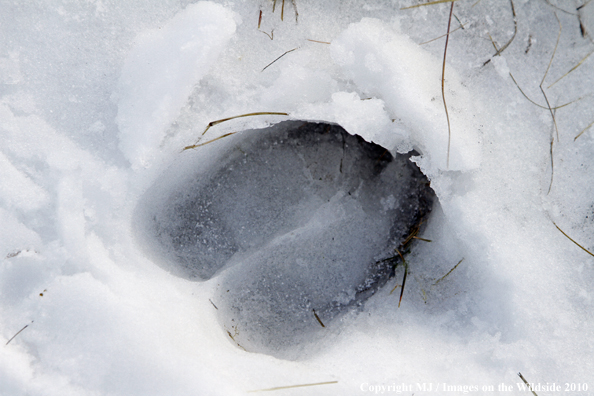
(303, 215)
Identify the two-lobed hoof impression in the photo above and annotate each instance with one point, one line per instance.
(298, 222)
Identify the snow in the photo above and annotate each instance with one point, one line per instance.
(98, 98)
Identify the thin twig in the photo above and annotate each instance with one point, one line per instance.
(293, 386)
(443, 89)
(427, 4)
(568, 237)
(259, 19)
(280, 57)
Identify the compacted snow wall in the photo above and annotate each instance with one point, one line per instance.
(98, 99)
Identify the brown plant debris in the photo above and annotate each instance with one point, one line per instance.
(293, 386)
(568, 237)
(572, 69)
(449, 272)
(584, 130)
(318, 318)
(526, 382)
(428, 4)
(285, 53)
(18, 332)
(213, 123)
(500, 50)
(443, 89)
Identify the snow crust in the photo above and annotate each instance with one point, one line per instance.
(98, 98)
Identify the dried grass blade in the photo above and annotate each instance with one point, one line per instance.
(552, 166)
(449, 272)
(316, 41)
(268, 65)
(210, 141)
(498, 51)
(213, 123)
(296, 13)
(403, 281)
(584, 130)
(14, 336)
(318, 318)
(545, 76)
(537, 104)
(568, 237)
(428, 4)
(443, 89)
(572, 69)
(443, 35)
(527, 384)
(515, 30)
(293, 386)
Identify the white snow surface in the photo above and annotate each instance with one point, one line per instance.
(97, 98)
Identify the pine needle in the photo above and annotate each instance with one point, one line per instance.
(568, 237)
(572, 69)
(318, 318)
(545, 76)
(316, 41)
(210, 141)
(584, 130)
(213, 123)
(443, 89)
(296, 13)
(552, 165)
(537, 104)
(403, 282)
(443, 35)
(449, 272)
(293, 386)
(526, 382)
(500, 50)
(427, 4)
(279, 57)
(18, 332)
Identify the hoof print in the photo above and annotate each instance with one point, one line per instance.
(298, 222)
